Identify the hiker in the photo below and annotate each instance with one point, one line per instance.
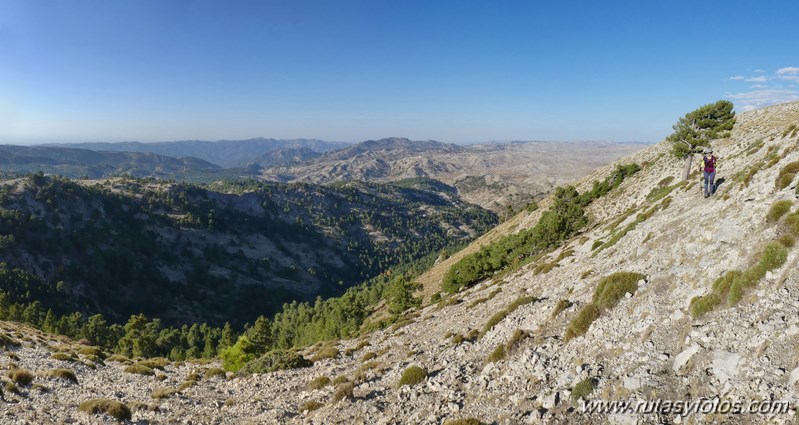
(709, 172)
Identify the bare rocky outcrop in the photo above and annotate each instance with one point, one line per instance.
(645, 348)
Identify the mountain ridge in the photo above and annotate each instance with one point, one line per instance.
(224, 153)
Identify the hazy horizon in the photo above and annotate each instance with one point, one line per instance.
(45, 142)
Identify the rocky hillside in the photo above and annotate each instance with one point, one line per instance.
(493, 176)
(228, 254)
(660, 294)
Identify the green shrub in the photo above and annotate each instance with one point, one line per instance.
(488, 297)
(20, 376)
(94, 359)
(310, 406)
(498, 354)
(186, 385)
(118, 358)
(499, 316)
(777, 210)
(581, 322)
(640, 218)
(786, 175)
(92, 351)
(660, 192)
(582, 390)
(238, 354)
(597, 243)
(343, 391)
(544, 268)
(340, 380)
(736, 293)
(793, 223)
(704, 304)
(104, 406)
(787, 240)
(215, 371)
(139, 369)
(6, 341)
(665, 182)
(722, 285)
(412, 376)
(64, 357)
(275, 360)
(157, 363)
(435, 298)
(560, 306)
(774, 256)
(325, 353)
(162, 393)
(516, 338)
(319, 382)
(369, 356)
(612, 288)
(63, 374)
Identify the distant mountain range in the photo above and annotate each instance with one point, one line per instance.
(493, 175)
(224, 153)
(77, 163)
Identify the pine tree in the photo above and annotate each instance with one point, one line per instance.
(96, 331)
(260, 335)
(195, 342)
(227, 339)
(699, 128)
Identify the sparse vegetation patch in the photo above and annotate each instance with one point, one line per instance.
(787, 175)
(412, 376)
(112, 408)
(612, 288)
(498, 354)
(319, 382)
(581, 322)
(275, 360)
(499, 316)
(582, 390)
(63, 374)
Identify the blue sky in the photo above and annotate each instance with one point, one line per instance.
(355, 70)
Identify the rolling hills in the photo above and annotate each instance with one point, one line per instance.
(494, 176)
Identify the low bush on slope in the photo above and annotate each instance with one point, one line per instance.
(412, 376)
(733, 285)
(609, 291)
(275, 360)
(108, 407)
(777, 210)
(786, 175)
(560, 222)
